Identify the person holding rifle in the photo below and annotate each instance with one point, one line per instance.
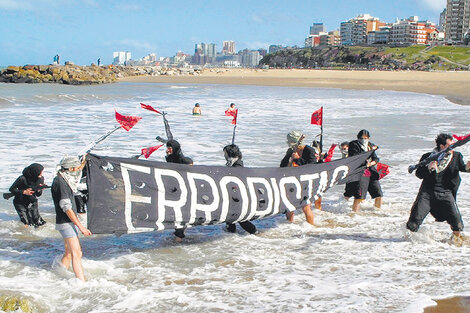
(299, 154)
(26, 189)
(438, 192)
(64, 186)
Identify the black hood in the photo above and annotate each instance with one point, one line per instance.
(31, 173)
(177, 155)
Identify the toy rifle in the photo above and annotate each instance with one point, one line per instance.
(8, 195)
(437, 156)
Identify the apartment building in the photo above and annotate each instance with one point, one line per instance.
(457, 23)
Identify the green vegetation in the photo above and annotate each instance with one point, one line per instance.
(381, 57)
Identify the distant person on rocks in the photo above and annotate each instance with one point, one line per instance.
(438, 192)
(197, 109)
(369, 181)
(64, 187)
(299, 154)
(175, 155)
(99, 61)
(58, 59)
(233, 156)
(26, 189)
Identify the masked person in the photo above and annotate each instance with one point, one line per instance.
(344, 147)
(26, 189)
(64, 187)
(369, 181)
(438, 192)
(299, 154)
(233, 156)
(175, 155)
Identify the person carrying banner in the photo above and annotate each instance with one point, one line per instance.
(233, 156)
(438, 191)
(26, 189)
(299, 154)
(369, 181)
(175, 155)
(344, 147)
(64, 186)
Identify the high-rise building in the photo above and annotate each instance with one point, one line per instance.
(442, 21)
(411, 31)
(457, 22)
(121, 58)
(317, 28)
(250, 58)
(204, 53)
(228, 47)
(354, 31)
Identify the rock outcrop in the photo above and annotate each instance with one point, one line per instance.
(83, 75)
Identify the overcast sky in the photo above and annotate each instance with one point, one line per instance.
(33, 31)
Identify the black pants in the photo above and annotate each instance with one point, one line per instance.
(248, 226)
(442, 207)
(29, 213)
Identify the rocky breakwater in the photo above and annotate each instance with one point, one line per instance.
(82, 75)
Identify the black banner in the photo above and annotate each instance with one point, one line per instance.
(130, 195)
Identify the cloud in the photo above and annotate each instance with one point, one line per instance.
(257, 19)
(128, 44)
(128, 7)
(434, 5)
(15, 5)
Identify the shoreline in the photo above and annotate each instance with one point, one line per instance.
(452, 85)
(454, 304)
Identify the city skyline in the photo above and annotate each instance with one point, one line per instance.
(83, 31)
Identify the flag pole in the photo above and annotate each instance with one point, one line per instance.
(321, 131)
(233, 136)
(94, 143)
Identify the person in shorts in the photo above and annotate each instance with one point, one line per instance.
(64, 186)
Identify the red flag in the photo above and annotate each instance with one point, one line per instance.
(317, 117)
(146, 152)
(148, 107)
(460, 137)
(234, 114)
(383, 170)
(127, 121)
(329, 156)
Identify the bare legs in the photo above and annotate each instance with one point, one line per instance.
(73, 253)
(307, 211)
(357, 203)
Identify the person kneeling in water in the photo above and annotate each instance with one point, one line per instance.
(438, 192)
(233, 155)
(175, 155)
(64, 187)
(299, 154)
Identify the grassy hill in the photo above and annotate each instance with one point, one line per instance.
(385, 58)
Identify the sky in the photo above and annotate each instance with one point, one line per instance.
(81, 31)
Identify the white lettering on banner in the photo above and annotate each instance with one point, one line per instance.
(251, 181)
(163, 201)
(322, 184)
(282, 186)
(334, 179)
(226, 197)
(129, 197)
(206, 208)
(310, 178)
(277, 196)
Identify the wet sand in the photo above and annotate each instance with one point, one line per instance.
(451, 305)
(452, 85)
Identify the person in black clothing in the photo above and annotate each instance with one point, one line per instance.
(27, 189)
(369, 181)
(233, 155)
(299, 154)
(175, 155)
(438, 192)
(64, 186)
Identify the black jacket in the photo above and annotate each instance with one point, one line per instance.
(448, 179)
(307, 157)
(21, 184)
(60, 191)
(355, 149)
(177, 155)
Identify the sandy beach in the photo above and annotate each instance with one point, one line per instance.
(452, 85)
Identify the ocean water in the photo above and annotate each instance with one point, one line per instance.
(365, 262)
